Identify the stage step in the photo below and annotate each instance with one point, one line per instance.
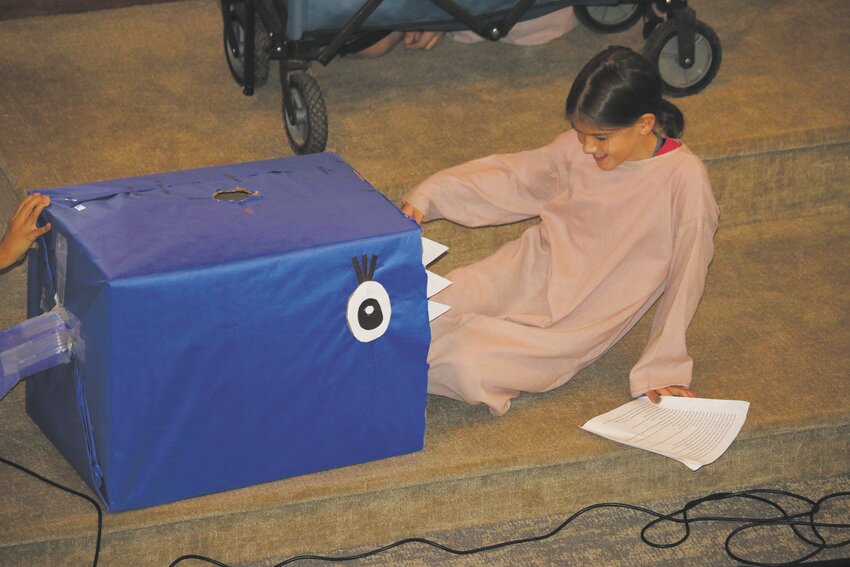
(138, 90)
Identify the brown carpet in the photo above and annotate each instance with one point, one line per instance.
(143, 89)
(611, 536)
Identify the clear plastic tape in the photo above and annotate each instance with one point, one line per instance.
(61, 266)
(35, 345)
(72, 324)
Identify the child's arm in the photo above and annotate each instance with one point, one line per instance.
(22, 231)
(494, 190)
(665, 366)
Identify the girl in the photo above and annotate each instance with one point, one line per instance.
(626, 217)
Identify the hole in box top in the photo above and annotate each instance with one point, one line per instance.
(237, 194)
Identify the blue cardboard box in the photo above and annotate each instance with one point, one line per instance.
(237, 325)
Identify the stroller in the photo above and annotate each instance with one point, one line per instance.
(296, 32)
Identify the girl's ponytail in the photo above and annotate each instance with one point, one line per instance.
(669, 119)
(616, 87)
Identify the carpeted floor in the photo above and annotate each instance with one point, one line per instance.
(13, 279)
(611, 536)
(126, 92)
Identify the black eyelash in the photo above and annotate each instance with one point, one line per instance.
(367, 271)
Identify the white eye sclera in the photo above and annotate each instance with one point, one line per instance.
(368, 311)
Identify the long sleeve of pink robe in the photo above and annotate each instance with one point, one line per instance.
(609, 244)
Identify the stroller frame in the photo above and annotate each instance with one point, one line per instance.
(255, 34)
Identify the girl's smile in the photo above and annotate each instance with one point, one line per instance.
(611, 147)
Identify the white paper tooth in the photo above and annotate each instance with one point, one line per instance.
(436, 309)
(436, 283)
(431, 250)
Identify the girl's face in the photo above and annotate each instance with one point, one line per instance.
(611, 147)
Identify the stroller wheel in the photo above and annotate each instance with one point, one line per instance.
(608, 19)
(236, 57)
(304, 114)
(662, 49)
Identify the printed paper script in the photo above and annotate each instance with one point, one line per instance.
(694, 431)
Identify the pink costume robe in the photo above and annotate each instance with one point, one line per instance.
(544, 306)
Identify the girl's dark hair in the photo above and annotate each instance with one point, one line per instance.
(616, 87)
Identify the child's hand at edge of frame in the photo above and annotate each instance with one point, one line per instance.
(22, 231)
(426, 40)
(413, 213)
(654, 396)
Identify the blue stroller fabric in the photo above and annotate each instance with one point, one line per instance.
(322, 15)
(218, 349)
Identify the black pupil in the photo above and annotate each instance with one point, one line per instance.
(369, 315)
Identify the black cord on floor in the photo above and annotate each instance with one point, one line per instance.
(54, 484)
(683, 517)
(795, 521)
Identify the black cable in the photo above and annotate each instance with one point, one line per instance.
(794, 521)
(54, 484)
(805, 519)
(791, 520)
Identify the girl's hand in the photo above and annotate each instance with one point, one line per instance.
(22, 231)
(413, 213)
(655, 395)
(426, 40)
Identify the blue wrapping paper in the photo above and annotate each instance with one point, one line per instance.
(217, 342)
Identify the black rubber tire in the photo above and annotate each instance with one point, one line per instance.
(262, 47)
(662, 51)
(594, 17)
(307, 132)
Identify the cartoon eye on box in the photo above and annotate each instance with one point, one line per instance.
(369, 307)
